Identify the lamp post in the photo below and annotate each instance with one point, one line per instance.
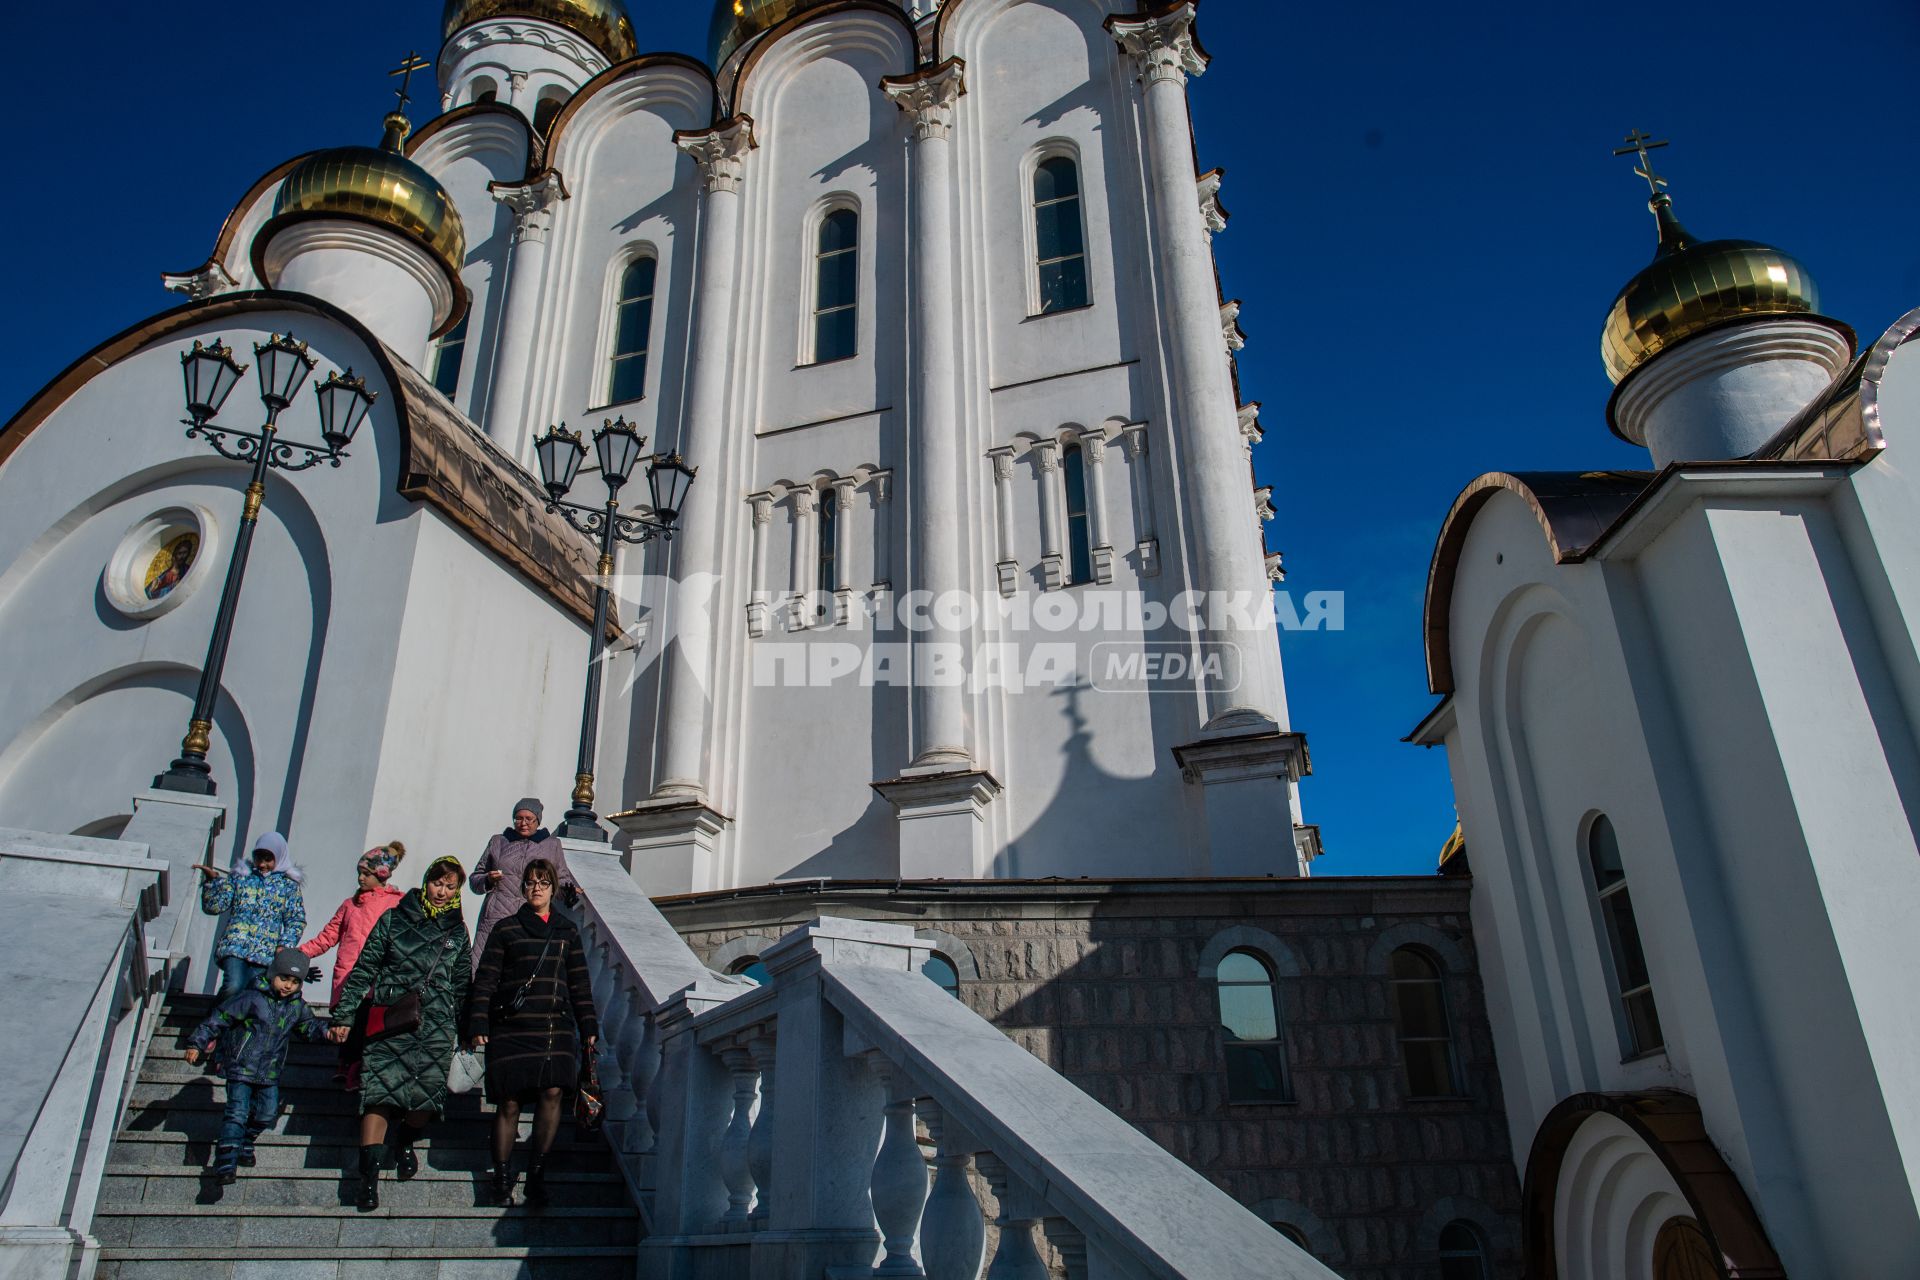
(211, 373)
(617, 446)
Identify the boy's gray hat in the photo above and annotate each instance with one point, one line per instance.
(289, 962)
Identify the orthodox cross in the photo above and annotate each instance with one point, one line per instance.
(1639, 144)
(414, 62)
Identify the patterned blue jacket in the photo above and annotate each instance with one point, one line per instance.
(254, 1028)
(268, 914)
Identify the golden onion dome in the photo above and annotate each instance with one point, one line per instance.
(604, 23)
(1691, 287)
(378, 185)
(735, 22)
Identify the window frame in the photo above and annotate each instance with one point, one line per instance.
(811, 313)
(1455, 1080)
(1614, 961)
(826, 546)
(453, 342)
(1444, 1253)
(607, 351)
(1057, 149)
(1078, 527)
(545, 98)
(1279, 1041)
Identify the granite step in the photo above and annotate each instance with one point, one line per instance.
(326, 1227)
(454, 1152)
(367, 1263)
(290, 1187)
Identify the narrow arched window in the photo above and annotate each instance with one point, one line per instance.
(1073, 466)
(1059, 235)
(836, 289)
(944, 975)
(1250, 1021)
(751, 967)
(1640, 1021)
(1295, 1236)
(485, 90)
(545, 111)
(632, 325)
(448, 356)
(1463, 1255)
(1420, 1021)
(828, 576)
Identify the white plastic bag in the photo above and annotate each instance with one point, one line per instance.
(468, 1071)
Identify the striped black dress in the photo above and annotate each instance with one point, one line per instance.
(536, 1046)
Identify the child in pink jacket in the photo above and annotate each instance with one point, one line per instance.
(352, 923)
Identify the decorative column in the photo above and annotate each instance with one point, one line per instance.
(1214, 472)
(802, 565)
(882, 482)
(1093, 448)
(842, 500)
(1053, 500)
(1005, 564)
(678, 825)
(940, 797)
(532, 204)
(1133, 443)
(762, 504)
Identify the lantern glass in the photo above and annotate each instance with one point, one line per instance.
(618, 445)
(211, 375)
(284, 365)
(669, 477)
(344, 405)
(560, 453)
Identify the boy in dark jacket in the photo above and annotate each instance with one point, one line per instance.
(254, 1028)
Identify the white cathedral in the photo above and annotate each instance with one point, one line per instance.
(970, 590)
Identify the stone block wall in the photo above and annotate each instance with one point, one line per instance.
(1104, 982)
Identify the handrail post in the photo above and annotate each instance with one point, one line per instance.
(695, 1099)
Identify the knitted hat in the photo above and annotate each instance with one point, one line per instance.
(289, 962)
(532, 806)
(381, 861)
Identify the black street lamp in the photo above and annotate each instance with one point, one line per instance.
(211, 374)
(618, 448)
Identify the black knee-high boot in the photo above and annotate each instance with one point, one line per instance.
(400, 1140)
(369, 1198)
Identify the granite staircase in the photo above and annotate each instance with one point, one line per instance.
(291, 1217)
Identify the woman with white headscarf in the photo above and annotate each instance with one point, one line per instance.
(263, 893)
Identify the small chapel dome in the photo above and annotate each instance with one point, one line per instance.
(1691, 287)
(604, 23)
(735, 22)
(378, 185)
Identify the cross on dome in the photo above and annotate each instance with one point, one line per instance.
(413, 62)
(1639, 144)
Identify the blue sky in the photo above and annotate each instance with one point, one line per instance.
(1427, 231)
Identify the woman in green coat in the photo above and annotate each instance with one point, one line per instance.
(421, 945)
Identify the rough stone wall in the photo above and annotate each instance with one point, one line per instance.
(1102, 981)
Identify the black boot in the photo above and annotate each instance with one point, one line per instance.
(502, 1185)
(369, 1198)
(537, 1182)
(400, 1146)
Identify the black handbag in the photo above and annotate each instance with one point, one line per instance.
(384, 1021)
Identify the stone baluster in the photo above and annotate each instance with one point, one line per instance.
(899, 1186)
(953, 1231)
(1014, 1257)
(1070, 1244)
(760, 1140)
(734, 1169)
(618, 1036)
(641, 1063)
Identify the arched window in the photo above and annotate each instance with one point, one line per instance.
(546, 109)
(1073, 467)
(485, 90)
(447, 357)
(1295, 1235)
(1059, 235)
(1681, 1251)
(1420, 1021)
(751, 967)
(1250, 1019)
(1463, 1255)
(632, 325)
(828, 575)
(1640, 1021)
(944, 975)
(836, 289)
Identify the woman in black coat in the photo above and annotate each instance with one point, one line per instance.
(531, 1005)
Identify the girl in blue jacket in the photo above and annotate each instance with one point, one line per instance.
(263, 893)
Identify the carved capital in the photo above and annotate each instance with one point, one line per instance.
(1046, 454)
(1094, 446)
(929, 97)
(1002, 465)
(721, 152)
(805, 500)
(1230, 332)
(1133, 440)
(1263, 503)
(199, 285)
(1276, 567)
(1212, 212)
(762, 508)
(1250, 424)
(532, 204)
(1163, 45)
(843, 493)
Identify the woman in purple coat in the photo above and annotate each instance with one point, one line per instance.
(499, 871)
